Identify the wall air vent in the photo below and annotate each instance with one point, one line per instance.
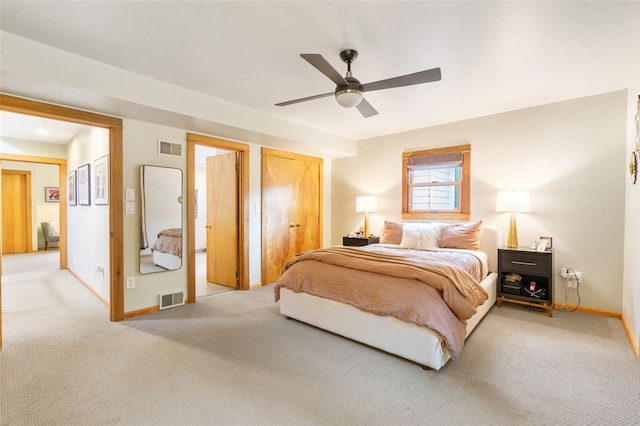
(169, 148)
(171, 299)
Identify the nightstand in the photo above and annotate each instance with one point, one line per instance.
(525, 277)
(356, 241)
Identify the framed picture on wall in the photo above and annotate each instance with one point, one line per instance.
(51, 194)
(71, 188)
(101, 179)
(84, 185)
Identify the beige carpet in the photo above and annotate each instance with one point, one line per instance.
(233, 360)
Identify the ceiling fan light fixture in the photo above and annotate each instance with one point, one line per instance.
(349, 97)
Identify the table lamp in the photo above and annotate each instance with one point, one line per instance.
(513, 202)
(366, 204)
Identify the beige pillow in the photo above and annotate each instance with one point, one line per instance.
(391, 233)
(460, 236)
(420, 236)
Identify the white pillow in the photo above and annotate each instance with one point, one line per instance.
(420, 236)
(54, 227)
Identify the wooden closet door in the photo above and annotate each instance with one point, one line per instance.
(291, 208)
(16, 211)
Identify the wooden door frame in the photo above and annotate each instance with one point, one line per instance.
(242, 208)
(27, 174)
(116, 198)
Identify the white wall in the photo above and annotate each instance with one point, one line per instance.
(571, 156)
(88, 225)
(631, 280)
(140, 147)
(34, 148)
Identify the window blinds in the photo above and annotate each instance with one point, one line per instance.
(438, 161)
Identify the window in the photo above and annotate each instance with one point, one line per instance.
(435, 183)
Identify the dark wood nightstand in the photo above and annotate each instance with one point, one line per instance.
(525, 276)
(355, 241)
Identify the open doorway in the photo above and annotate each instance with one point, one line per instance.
(217, 193)
(31, 193)
(114, 126)
(216, 217)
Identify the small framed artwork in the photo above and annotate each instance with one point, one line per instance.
(101, 179)
(84, 185)
(72, 184)
(51, 194)
(542, 245)
(547, 242)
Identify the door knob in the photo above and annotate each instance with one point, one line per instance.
(207, 226)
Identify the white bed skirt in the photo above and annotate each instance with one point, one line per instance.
(167, 260)
(404, 339)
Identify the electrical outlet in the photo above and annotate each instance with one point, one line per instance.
(573, 277)
(570, 273)
(131, 282)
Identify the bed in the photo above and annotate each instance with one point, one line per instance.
(446, 299)
(167, 249)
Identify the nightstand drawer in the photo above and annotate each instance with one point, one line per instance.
(525, 263)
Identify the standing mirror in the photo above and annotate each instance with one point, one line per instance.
(161, 227)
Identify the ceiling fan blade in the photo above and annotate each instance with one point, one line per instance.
(308, 98)
(325, 68)
(404, 80)
(366, 109)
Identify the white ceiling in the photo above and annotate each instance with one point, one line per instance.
(494, 56)
(25, 127)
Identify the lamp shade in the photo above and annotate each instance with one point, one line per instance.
(349, 98)
(366, 203)
(513, 201)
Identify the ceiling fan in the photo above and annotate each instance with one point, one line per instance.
(349, 91)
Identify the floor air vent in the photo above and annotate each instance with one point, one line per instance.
(169, 300)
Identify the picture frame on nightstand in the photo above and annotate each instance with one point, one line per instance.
(548, 241)
(542, 246)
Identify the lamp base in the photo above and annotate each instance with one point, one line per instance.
(512, 240)
(366, 225)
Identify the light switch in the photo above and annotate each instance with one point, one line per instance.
(130, 194)
(129, 207)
